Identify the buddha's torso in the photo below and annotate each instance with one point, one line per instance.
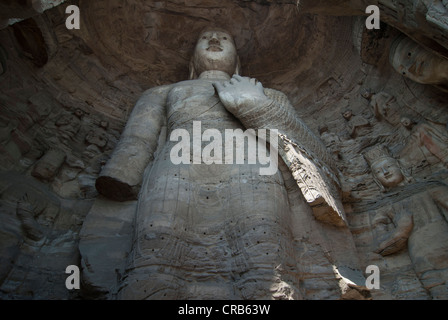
(199, 227)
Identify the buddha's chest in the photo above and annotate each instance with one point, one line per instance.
(194, 100)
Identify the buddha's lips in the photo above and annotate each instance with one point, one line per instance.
(214, 49)
(387, 175)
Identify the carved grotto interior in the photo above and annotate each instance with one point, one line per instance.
(362, 164)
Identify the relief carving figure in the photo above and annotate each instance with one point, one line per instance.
(48, 166)
(357, 125)
(385, 107)
(69, 125)
(217, 230)
(386, 170)
(97, 137)
(419, 214)
(418, 64)
(428, 142)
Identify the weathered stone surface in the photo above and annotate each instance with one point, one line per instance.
(39, 239)
(105, 243)
(49, 165)
(15, 11)
(74, 90)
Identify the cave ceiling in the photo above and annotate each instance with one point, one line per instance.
(122, 49)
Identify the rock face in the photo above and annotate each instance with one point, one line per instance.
(376, 99)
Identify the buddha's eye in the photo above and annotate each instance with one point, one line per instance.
(225, 38)
(204, 37)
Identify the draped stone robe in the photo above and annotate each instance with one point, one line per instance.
(204, 231)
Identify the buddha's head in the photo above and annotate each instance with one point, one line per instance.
(386, 170)
(407, 122)
(347, 114)
(385, 107)
(215, 51)
(417, 63)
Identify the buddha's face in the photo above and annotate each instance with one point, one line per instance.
(386, 107)
(79, 113)
(215, 50)
(406, 122)
(347, 114)
(417, 63)
(387, 172)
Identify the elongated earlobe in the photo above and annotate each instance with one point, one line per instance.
(238, 66)
(193, 74)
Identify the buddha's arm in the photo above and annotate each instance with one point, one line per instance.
(278, 113)
(260, 108)
(398, 239)
(440, 197)
(121, 177)
(302, 151)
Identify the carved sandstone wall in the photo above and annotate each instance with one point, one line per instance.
(66, 94)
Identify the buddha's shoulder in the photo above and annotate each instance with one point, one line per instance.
(184, 83)
(158, 90)
(276, 95)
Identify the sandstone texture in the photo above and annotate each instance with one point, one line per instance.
(363, 168)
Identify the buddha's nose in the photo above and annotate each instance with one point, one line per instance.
(214, 39)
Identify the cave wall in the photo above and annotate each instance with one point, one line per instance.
(66, 95)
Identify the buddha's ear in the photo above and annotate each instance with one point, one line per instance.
(378, 182)
(193, 74)
(238, 66)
